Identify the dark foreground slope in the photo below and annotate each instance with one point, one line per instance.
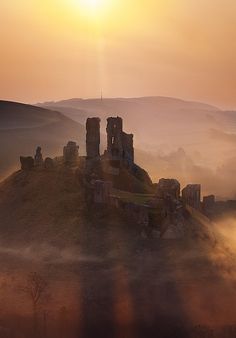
(23, 126)
(103, 279)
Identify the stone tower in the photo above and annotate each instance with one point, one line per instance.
(119, 144)
(93, 137)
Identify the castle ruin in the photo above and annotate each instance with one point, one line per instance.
(118, 154)
(107, 176)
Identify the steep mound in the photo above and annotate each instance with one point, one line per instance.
(35, 204)
(99, 268)
(52, 206)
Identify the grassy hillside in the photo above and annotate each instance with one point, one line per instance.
(52, 206)
(103, 278)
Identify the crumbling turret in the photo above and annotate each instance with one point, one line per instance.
(93, 138)
(119, 144)
(191, 195)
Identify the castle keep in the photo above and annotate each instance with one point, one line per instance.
(93, 138)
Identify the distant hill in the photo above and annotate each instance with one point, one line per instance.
(23, 127)
(191, 141)
(157, 122)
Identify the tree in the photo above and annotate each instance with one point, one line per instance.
(35, 288)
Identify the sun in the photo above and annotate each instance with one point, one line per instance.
(92, 12)
(93, 6)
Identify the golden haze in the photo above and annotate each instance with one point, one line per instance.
(53, 49)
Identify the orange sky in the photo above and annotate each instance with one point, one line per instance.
(54, 49)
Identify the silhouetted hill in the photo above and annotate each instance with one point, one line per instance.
(23, 127)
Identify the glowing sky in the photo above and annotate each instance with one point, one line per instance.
(54, 49)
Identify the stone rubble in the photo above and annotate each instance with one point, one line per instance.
(71, 153)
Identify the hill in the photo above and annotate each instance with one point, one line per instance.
(23, 127)
(102, 275)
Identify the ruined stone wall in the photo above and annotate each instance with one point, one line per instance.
(102, 191)
(93, 137)
(128, 147)
(119, 144)
(27, 163)
(191, 195)
(71, 152)
(168, 187)
(114, 137)
(208, 205)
